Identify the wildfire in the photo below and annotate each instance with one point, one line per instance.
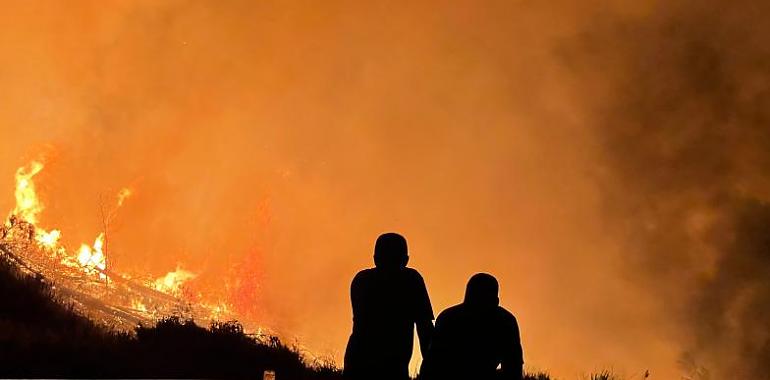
(48, 239)
(139, 306)
(92, 258)
(219, 310)
(172, 282)
(136, 295)
(27, 203)
(28, 206)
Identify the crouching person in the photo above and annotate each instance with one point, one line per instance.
(475, 337)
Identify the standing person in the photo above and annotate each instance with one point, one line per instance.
(388, 301)
(474, 337)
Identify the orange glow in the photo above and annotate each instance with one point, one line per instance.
(254, 150)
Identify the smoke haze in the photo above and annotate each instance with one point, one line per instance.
(605, 160)
(686, 143)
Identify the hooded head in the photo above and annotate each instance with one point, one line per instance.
(390, 251)
(482, 291)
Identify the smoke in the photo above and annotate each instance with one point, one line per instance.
(604, 161)
(683, 105)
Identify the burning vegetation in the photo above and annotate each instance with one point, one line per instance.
(42, 337)
(83, 275)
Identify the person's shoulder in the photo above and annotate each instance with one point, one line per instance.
(505, 316)
(413, 274)
(451, 312)
(363, 275)
(367, 271)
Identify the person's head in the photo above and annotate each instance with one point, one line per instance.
(482, 291)
(390, 251)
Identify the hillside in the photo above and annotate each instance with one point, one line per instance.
(43, 337)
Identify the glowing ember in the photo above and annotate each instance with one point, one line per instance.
(219, 310)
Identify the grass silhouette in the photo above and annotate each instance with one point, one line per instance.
(41, 336)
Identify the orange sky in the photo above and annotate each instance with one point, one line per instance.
(278, 139)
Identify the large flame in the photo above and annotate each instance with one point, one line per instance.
(92, 258)
(27, 203)
(28, 206)
(172, 282)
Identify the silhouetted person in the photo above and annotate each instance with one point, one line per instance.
(388, 301)
(471, 339)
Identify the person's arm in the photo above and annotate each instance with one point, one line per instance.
(355, 295)
(425, 334)
(433, 353)
(423, 317)
(352, 359)
(358, 300)
(513, 372)
(513, 358)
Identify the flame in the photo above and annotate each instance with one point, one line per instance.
(172, 282)
(48, 239)
(139, 306)
(28, 206)
(27, 203)
(92, 258)
(22, 227)
(219, 310)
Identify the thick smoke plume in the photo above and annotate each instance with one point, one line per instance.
(684, 126)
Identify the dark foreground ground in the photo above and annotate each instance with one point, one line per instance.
(43, 338)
